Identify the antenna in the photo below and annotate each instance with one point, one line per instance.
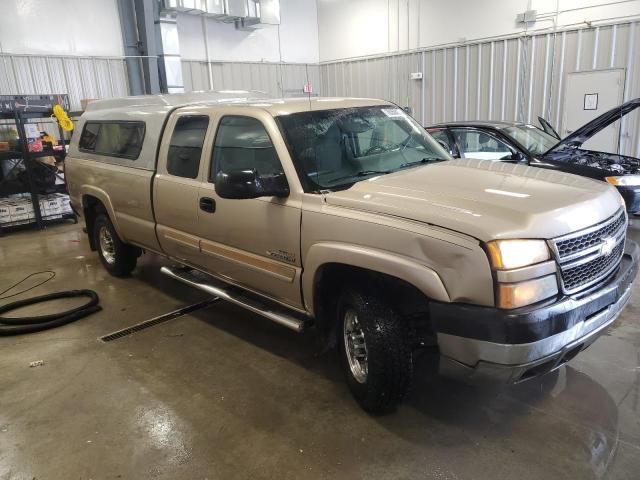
(308, 87)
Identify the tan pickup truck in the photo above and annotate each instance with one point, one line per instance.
(345, 215)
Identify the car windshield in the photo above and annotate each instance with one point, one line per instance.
(532, 138)
(333, 149)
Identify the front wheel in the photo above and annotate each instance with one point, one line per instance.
(375, 351)
(117, 257)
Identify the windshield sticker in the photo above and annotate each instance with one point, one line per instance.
(393, 112)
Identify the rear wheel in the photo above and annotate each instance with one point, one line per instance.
(375, 351)
(117, 257)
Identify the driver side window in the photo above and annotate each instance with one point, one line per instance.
(480, 145)
(242, 143)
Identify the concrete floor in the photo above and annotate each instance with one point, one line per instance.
(222, 393)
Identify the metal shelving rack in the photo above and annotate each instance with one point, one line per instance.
(19, 110)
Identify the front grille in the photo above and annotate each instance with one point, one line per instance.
(573, 245)
(583, 260)
(576, 277)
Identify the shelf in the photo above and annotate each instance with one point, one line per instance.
(59, 216)
(23, 110)
(29, 115)
(4, 194)
(18, 223)
(32, 104)
(47, 153)
(32, 221)
(13, 154)
(10, 155)
(45, 118)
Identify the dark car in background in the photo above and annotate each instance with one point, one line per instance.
(542, 147)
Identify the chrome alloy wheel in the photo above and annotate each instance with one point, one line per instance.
(355, 346)
(107, 248)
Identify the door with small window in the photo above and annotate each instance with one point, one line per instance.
(441, 135)
(252, 242)
(177, 183)
(482, 145)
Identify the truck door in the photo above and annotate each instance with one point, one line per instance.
(254, 243)
(177, 181)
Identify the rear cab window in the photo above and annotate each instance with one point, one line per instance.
(113, 138)
(185, 148)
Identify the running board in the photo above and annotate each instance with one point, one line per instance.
(254, 303)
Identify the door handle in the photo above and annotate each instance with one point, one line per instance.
(207, 204)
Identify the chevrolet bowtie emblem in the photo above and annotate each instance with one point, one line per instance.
(607, 245)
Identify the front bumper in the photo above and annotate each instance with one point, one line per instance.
(631, 197)
(515, 345)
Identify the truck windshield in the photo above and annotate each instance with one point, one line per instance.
(333, 149)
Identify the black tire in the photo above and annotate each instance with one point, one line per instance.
(122, 259)
(388, 351)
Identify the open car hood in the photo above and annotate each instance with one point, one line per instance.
(584, 133)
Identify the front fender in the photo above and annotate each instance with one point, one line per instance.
(408, 269)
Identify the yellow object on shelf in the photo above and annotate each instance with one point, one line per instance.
(62, 117)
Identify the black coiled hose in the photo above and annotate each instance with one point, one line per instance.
(20, 325)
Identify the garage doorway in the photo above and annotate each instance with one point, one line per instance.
(588, 95)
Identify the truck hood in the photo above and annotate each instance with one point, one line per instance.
(584, 133)
(487, 200)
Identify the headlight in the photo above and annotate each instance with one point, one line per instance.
(514, 295)
(625, 181)
(508, 254)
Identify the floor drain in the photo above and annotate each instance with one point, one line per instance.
(157, 320)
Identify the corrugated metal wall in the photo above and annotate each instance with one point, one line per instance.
(80, 77)
(516, 78)
(102, 77)
(276, 79)
(512, 79)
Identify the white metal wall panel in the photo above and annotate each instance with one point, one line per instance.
(194, 76)
(23, 75)
(103, 78)
(7, 78)
(276, 79)
(80, 77)
(118, 77)
(517, 78)
(88, 77)
(372, 78)
(74, 81)
(38, 70)
(56, 75)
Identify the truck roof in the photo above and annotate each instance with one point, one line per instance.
(175, 99)
(277, 106)
(154, 109)
(479, 123)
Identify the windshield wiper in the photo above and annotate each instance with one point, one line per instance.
(362, 173)
(421, 162)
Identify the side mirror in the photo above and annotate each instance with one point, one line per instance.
(243, 184)
(520, 157)
(514, 157)
(445, 147)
